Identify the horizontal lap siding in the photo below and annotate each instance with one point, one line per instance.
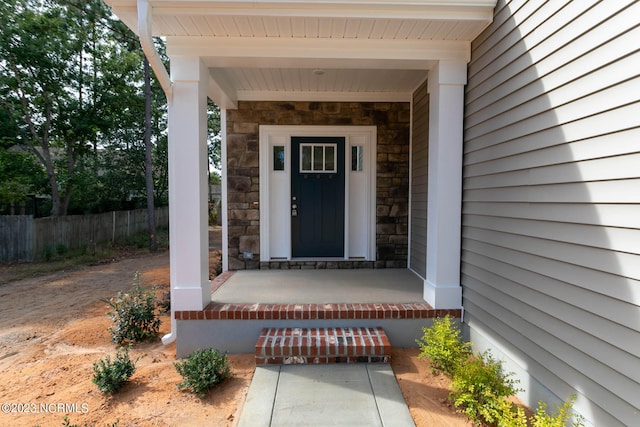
(551, 197)
(419, 180)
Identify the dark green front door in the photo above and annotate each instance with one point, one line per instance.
(317, 197)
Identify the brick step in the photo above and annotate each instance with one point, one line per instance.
(322, 345)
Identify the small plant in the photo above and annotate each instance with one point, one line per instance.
(478, 388)
(560, 418)
(202, 370)
(109, 375)
(510, 415)
(164, 305)
(67, 423)
(134, 315)
(61, 249)
(47, 253)
(442, 343)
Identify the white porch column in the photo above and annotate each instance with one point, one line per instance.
(225, 202)
(446, 82)
(188, 225)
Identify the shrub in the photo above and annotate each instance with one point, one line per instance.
(511, 415)
(134, 315)
(47, 253)
(164, 305)
(61, 249)
(560, 418)
(443, 345)
(109, 375)
(67, 423)
(202, 370)
(479, 387)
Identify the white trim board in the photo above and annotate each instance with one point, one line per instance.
(275, 191)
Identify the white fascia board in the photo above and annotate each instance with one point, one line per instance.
(127, 13)
(313, 96)
(295, 48)
(417, 9)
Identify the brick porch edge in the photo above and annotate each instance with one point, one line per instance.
(260, 311)
(263, 311)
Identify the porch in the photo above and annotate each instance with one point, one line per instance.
(243, 303)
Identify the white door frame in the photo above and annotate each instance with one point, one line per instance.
(275, 191)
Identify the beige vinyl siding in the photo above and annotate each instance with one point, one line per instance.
(419, 180)
(551, 198)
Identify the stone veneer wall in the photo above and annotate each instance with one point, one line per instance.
(392, 121)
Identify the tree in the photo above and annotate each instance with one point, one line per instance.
(214, 140)
(21, 176)
(70, 82)
(44, 89)
(151, 218)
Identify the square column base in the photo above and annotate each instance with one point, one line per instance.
(189, 297)
(442, 297)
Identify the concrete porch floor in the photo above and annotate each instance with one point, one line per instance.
(245, 302)
(360, 286)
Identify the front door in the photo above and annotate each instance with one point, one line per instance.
(317, 197)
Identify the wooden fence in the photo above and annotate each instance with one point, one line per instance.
(23, 238)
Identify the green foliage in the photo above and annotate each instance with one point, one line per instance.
(214, 138)
(71, 98)
(479, 386)
(109, 375)
(20, 175)
(213, 213)
(67, 423)
(443, 345)
(61, 249)
(57, 251)
(48, 253)
(134, 317)
(560, 418)
(164, 305)
(202, 370)
(510, 415)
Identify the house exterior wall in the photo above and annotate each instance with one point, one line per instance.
(392, 177)
(419, 180)
(551, 201)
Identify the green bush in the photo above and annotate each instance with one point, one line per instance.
(67, 423)
(560, 418)
(109, 375)
(202, 370)
(134, 317)
(48, 253)
(61, 249)
(443, 345)
(510, 415)
(479, 386)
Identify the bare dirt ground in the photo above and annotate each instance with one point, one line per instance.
(54, 327)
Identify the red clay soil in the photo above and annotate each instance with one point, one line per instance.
(54, 327)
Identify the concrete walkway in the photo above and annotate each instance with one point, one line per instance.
(325, 395)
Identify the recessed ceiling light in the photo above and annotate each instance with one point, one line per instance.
(318, 72)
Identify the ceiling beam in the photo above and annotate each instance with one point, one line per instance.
(226, 50)
(320, 96)
(221, 91)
